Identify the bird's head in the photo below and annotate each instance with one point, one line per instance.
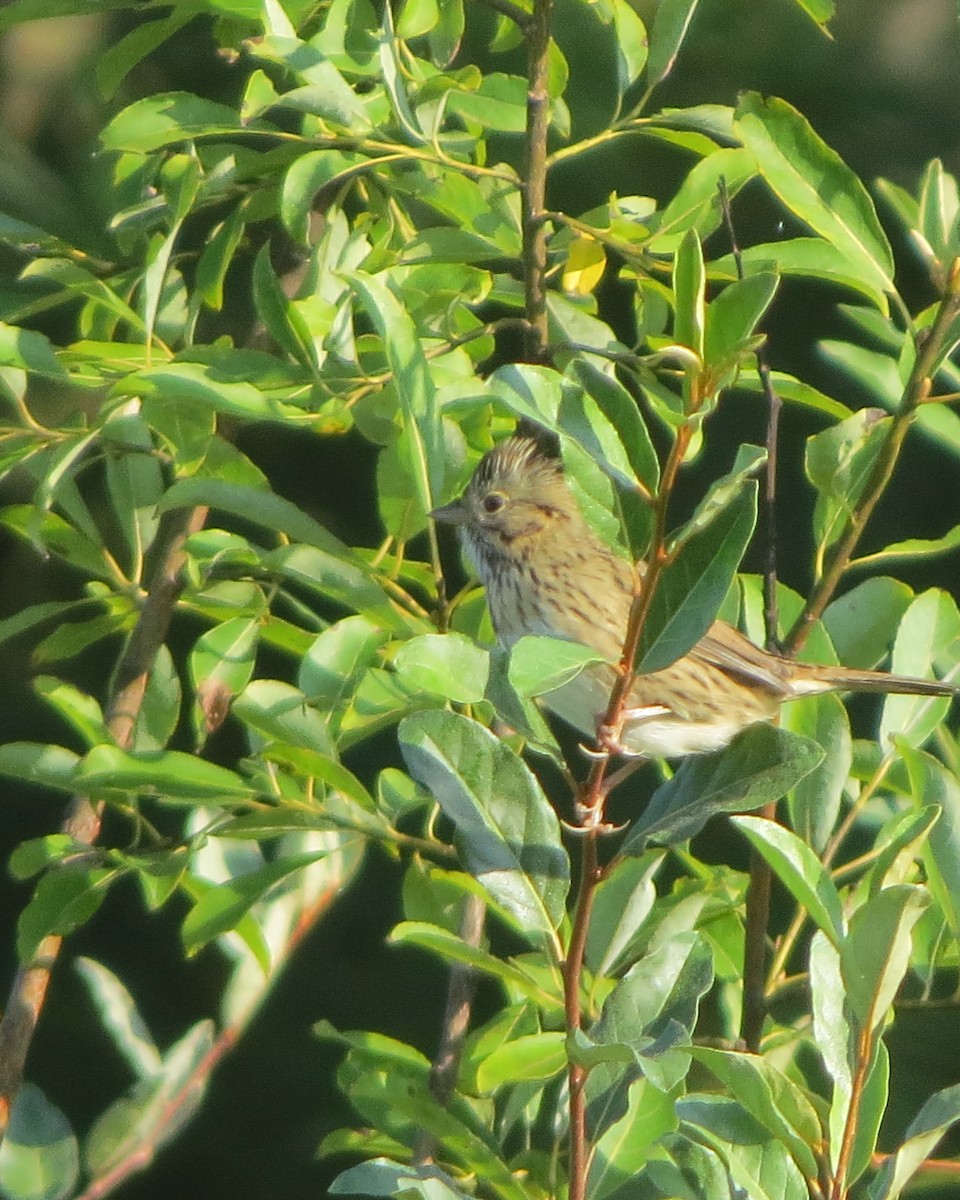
(516, 495)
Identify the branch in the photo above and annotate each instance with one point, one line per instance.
(535, 180)
(82, 823)
(461, 988)
(520, 17)
(915, 393)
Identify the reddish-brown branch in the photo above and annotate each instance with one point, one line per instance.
(82, 823)
(572, 973)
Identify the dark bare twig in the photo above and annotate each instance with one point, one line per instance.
(520, 17)
(82, 823)
(534, 188)
(461, 988)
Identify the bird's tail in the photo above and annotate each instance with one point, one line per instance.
(810, 679)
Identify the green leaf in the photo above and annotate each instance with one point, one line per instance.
(337, 579)
(928, 638)
(807, 257)
(758, 767)
(332, 667)
(159, 713)
(116, 61)
(646, 1022)
(414, 383)
(33, 856)
(40, 1156)
(449, 665)
(689, 284)
(58, 537)
(182, 382)
(692, 588)
(506, 831)
(771, 1098)
(221, 665)
(541, 664)
(733, 316)
(815, 184)
(831, 1031)
(799, 870)
(669, 30)
(535, 1058)
(931, 784)
(161, 119)
(814, 804)
(170, 774)
(36, 614)
(453, 949)
(217, 256)
(631, 44)
(139, 1122)
(281, 318)
(613, 431)
(623, 900)
(446, 34)
(622, 1151)
(63, 900)
(221, 908)
(134, 481)
(382, 1177)
(757, 1164)
(308, 174)
(938, 208)
(910, 549)
(903, 838)
(863, 622)
(259, 506)
(29, 351)
(875, 955)
(278, 712)
(76, 707)
(34, 762)
(696, 203)
(120, 1016)
(923, 1134)
(839, 462)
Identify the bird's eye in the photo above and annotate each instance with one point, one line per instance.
(493, 502)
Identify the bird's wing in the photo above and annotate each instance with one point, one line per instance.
(727, 648)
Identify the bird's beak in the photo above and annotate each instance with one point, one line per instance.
(454, 513)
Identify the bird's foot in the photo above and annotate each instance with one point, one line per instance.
(590, 820)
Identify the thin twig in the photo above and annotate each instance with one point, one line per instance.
(461, 988)
(916, 392)
(520, 17)
(572, 972)
(142, 1154)
(82, 823)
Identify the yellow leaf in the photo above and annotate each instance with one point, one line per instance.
(585, 265)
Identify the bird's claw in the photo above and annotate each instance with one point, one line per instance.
(590, 820)
(609, 740)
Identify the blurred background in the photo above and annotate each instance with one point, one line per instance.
(883, 93)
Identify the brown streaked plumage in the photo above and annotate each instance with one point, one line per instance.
(546, 572)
